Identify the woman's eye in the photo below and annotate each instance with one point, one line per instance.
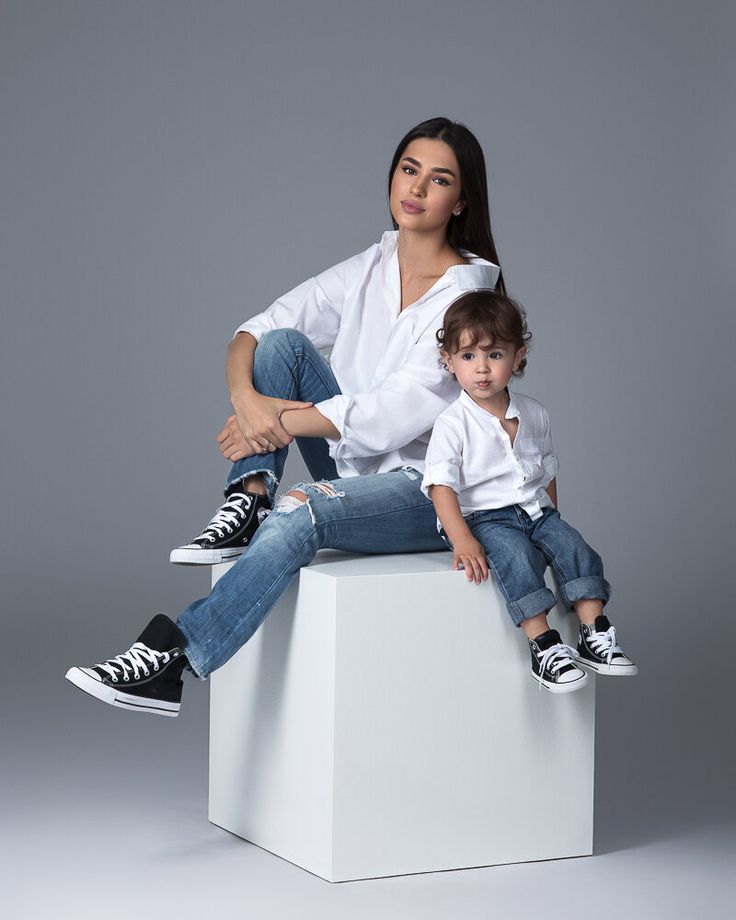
(407, 169)
(443, 181)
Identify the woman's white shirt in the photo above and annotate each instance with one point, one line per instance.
(385, 359)
(470, 452)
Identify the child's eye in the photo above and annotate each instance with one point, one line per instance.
(496, 355)
(468, 356)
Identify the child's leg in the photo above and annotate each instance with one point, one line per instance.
(519, 567)
(579, 570)
(578, 567)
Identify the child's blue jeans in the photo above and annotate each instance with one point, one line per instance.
(518, 550)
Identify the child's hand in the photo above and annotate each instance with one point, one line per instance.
(469, 553)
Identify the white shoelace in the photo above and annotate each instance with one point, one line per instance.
(556, 656)
(136, 659)
(231, 513)
(604, 643)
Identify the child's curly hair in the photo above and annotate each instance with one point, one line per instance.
(485, 316)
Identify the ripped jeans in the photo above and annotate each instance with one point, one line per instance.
(375, 513)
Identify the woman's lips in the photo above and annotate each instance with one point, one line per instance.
(410, 208)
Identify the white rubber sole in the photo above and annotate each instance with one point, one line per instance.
(182, 556)
(569, 687)
(622, 670)
(100, 691)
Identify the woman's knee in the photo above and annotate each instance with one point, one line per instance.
(276, 350)
(280, 341)
(307, 495)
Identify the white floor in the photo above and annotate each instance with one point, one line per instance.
(105, 815)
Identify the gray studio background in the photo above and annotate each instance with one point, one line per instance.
(170, 168)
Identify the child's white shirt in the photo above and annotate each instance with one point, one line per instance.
(384, 359)
(470, 452)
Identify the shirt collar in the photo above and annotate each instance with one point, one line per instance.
(480, 274)
(483, 414)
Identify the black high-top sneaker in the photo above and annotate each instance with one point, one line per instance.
(146, 678)
(553, 664)
(598, 650)
(229, 532)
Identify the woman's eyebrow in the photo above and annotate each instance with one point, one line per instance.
(437, 169)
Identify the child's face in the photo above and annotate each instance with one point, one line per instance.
(483, 370)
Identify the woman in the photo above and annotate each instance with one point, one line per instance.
(362, 422)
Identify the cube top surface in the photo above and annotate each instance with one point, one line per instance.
(337, 564)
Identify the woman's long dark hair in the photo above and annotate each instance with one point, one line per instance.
(471, 229)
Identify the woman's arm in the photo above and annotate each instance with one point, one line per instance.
(466, 549)
(239, 364)
(309, 423)
(551, 490)
(403, 407)
(256, 424)
(295, 423)
(313, 307)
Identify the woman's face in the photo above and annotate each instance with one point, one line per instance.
(428, 177)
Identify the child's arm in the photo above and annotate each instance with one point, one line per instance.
(466, 549)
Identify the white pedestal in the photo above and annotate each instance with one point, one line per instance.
(382, 721)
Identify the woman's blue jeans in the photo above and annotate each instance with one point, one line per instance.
(286, 365)
(378, 513)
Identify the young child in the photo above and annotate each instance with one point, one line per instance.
(490, 472)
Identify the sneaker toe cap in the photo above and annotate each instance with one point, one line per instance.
(569, 677)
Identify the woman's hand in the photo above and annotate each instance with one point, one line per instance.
(256, 427)
(470, 553)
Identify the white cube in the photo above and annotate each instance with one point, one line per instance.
(383, 721)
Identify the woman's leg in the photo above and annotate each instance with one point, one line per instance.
(382, 513)
(285, 365)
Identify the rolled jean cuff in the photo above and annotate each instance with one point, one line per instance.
(269, 479)
(531, 605)
(590, 587)
(196, 664)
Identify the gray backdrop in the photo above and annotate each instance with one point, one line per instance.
(170, 168)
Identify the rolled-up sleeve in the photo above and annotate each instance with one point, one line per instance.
(404, 407)
(444, 457)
